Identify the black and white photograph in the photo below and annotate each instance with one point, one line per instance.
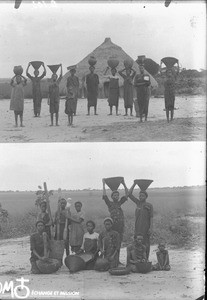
(102, 150)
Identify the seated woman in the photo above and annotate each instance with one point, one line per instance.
(163, 261)
(109, 243)
(90, 244)
(136, 252)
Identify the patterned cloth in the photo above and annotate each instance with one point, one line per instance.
(142, 93)
(17, 97)
(128, 90)
(90, 242)
(36, 243)
(92, 82)
(73, 82)
(76, 229)
(113, 98)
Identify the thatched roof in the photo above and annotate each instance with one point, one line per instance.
(102, 53)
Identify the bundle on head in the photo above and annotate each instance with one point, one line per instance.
(48, 265)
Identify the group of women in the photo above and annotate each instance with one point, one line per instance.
(70, 228)
(140, 81)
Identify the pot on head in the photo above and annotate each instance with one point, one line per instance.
(18, 70)
(112, 62)
(92, 61)
(36, 64)
(143, 184)
(169, 61)
(128, 63)
(54, 68)
(140, 59)
(113, 182)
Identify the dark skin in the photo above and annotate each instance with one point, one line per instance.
(170, 113)
(92, 69)
(108, 227)
(70, 117)
(115, 196)
(161, 250)
(40, 230)
(54, 79)
(19, 79)
(138, 242)
(141, 68)
(113, 72)
(78, 207)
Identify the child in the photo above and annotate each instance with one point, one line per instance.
(54, 97)
(44, 216)
(76, 228)
(113, 97)
(163, 262)
(17, 98)
(90, 244)
(136, 252)
(109, 243)
(70, 105)
(169, 94)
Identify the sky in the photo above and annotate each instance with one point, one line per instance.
(67, 32)
(83, 165)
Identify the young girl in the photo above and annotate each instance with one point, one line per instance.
(169, 94)
(54, 97)
(44, 216)
(163, 261)
(70, 105)
(113, 98)
(76, 228)
(17, 98)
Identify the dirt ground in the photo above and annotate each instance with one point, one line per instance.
(185, 280)
(189, 123)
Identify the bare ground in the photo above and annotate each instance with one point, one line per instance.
(184, 281)
(189, 123)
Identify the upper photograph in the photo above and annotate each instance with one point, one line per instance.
(102, 72)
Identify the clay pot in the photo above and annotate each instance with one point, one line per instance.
(54, 68)
(74, 263)
(113, 62)
(143, 267)
(92, 61)
(113, 182)
(128, 63)
(36, 64)
(169, 61)
(143, 184)
(140, 59)
(102, 265)
(18, 70)
(48, 266)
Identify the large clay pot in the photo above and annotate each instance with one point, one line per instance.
(169, 61)
(113, 182)
(18, 70)
(92, 61)
(102, 265)
(143, 184)
(54, 68)
(128, 63)
(112, 62)
(48, 266)
(57, 249)
(75, 263)
(36, 64)
(140, 59)
(143, 267)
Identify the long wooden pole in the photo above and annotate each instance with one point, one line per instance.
(48, 207)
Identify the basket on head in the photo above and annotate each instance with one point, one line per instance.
(57, 249)
(143, 184)
(92, 61)
(112, 62)
(113, 182)
(143, 267)
(169, 61)
(36, 64)
(18, 70)
(102, 265)
(54, 68)
(128, 63)
(48, 265)
(74, 263)
(120, 271)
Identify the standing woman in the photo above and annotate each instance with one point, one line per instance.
(128, 89)
(73, 82)
(142, 83)
(113, 97)
(76, 228)
(92, 82)
(36, 89)
(169, 94)
(17, 98)
(54, 97)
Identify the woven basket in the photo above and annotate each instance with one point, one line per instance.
(120, 271)
(102, 265)
(143, 267)
(74, 263)
(48, 266)
(57, 249)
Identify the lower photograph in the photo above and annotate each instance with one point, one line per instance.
(102, 221)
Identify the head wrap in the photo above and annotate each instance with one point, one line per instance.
(108, 219)
(94, 225)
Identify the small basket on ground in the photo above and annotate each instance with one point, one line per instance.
(120, 271)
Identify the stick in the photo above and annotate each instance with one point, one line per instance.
(48, 207)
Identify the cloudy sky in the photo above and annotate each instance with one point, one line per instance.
(67, 32)
(83, 165)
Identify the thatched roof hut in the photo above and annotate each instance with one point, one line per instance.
(102, 53)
